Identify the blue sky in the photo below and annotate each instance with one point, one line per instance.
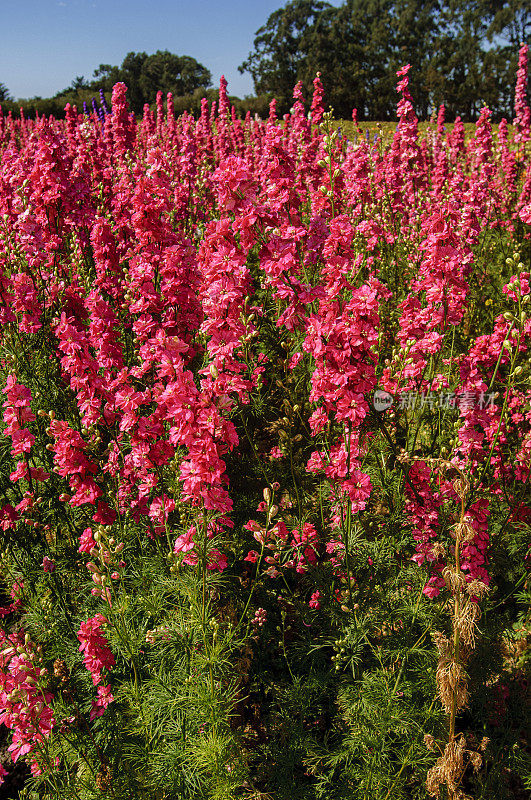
(44, 44)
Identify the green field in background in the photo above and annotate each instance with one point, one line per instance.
(387, 129)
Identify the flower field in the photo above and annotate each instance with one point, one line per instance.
(265, 455)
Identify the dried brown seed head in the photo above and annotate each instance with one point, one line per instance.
(466, 624)
(442, 643)
(461, 487)
(439, 551)
(103, 778)
(465, 532)
(475, 759)
(455, 581)
(451, 680)
(477, 588)
(60, 670)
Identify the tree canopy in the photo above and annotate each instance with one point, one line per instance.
(4, 93)
(144, 75)
(281, 47)
(463, 53)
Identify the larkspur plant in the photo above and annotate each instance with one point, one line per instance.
(227, 572)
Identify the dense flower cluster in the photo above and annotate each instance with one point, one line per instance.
(95, 648)
(24, 699)
(96, 657)
(191, 309)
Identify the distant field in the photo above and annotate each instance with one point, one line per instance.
(386, 129)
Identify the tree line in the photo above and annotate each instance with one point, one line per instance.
(463, 53)
(144, 75)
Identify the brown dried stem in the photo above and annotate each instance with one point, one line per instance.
(452, 679)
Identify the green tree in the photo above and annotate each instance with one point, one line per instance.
(78, 85)
(5, 97)
(509, 21)
(477, 55)
(79, 82)
(278, 60)
(144, 75)
(463, 53)
(509, 26)
(106, 75)
(130, 73)
(364, 35)
(417, 28)
(359, 46)
(170, 73)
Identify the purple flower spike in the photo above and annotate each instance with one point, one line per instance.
(103, 103)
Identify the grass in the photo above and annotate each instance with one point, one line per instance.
(385, 130)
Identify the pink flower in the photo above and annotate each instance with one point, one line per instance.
(160, 509)
(104, 699)
(25, 704)
(86, 541)
(276, 452)
(522, 119)
(260, 616)
(403, 70)
(95, 647)
(185, 542)
(217, 560)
